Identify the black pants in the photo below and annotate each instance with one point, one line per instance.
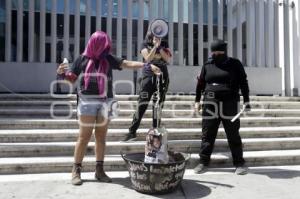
(148, 88)
(214, 112)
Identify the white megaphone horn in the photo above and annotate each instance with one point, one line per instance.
(159, 28)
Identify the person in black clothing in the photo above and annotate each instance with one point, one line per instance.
(154, 51)
(93, 69)
(220, 80)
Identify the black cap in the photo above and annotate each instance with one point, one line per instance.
(218, 45)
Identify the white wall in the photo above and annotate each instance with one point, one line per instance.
(26, 77)
(265, 81)
(35, 77)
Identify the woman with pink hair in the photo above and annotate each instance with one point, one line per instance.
(93, 68)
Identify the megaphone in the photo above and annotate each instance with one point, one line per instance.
(159, 28)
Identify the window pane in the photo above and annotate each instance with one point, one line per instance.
(72, 7)
(115, 8)
(104, 8)
(48, 5)
(125, 8)
(14, 4)
(60, 6)
(37, 5)
(166, 9)
(94, 6)
(25, 4)
(175, 10)
(146, 10)
(2, 11)
(215, 12)
(135, 9)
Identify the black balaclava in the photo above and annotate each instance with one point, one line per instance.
(219, 45)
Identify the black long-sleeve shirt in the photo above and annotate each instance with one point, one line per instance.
(227, 76)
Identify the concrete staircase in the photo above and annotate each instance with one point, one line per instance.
(31, 141)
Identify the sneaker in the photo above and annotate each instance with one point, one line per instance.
(242, 170)
(200, 168)
(76, 175)
(130, 137)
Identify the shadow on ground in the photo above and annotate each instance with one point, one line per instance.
(277, 173)
(191, 189)
(273, 173)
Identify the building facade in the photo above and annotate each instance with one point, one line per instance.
(35, 35)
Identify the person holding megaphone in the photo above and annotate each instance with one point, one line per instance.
(154, 51)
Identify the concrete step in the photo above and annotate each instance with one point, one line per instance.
(173, 105)
(70, 135)
(166, 113)
(112, 148)
(176, 97)
(115, 162)
(146, 123)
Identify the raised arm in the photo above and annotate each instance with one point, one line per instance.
(136, 65)
(148, 56)
(165, 54)
(132, 64)
(70, 73)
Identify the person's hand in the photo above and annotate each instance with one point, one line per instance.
(62, 68)
(247, 107)
(155, 69)
(197, 107)
(156, 42)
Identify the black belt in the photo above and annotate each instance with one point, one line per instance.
(220, 94)
(218, 84)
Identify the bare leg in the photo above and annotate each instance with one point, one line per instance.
(100, 137)
(85, 131)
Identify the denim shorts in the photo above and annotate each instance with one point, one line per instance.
(108, 108)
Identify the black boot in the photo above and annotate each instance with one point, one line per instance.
(100, 174)
(130, 137)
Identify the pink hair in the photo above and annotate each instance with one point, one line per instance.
(98, 46)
